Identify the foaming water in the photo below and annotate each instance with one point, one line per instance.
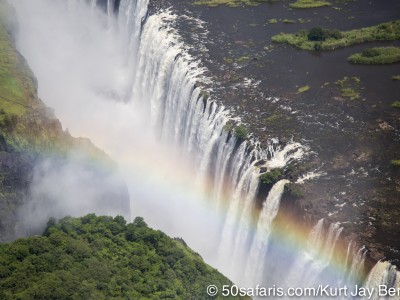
(383, 274)
(127, 81)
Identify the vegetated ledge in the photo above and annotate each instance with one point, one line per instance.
(331, 40)
(231, 3)
(100, 257)
(299, 4)
(376, 56)
(302, 4)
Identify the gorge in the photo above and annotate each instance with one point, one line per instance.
(122, 75)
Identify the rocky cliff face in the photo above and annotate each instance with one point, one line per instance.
(40, 163)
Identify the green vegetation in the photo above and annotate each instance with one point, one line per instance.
(308, 4)
(395, 162)
(350, 93)
(230, 3)
(271, 176)
(26, 124)
(239, 60)
(103, 258)
(302, 21)
(295, 190)
(241, 132)
(277, 119)
(303, 89)
(300, 4)
(205, 95)
(273, 119)
(333, 39)
(395, 78)
(14, 98)
(288, 21)
(377, 55)
(395, 104)
(285, 21)
(319, 35)
(349, 87)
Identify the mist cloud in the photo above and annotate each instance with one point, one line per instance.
(79, 59)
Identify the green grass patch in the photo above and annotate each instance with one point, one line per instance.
(334, 39)
(288, 21)
(12, 91)
(350, 93)
(395, 78)
(302, 21)
(395, 162)
(349, 87)
(230, 3)
(395, 104)
(272, 21)
(303, 89)
(301, 4)
(376, 56)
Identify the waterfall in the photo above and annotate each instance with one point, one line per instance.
(196, 126)
(259, 247)
(357, 264)
(383, 273)
(157, 76)
(309, 267)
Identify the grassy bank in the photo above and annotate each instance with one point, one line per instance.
(376, 56)
(14, 93)
(230, 3)
(333, 39)
(301, 4)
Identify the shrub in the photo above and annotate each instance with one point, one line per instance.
(377, 55)
(370, 52)
(333, 39)
(241, 132)
(395, 104)
(335, 34)
(272, 176)
(317, 34)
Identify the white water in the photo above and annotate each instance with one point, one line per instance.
(258, 251)
(132, 90)
(383, 273)
(309, 267)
